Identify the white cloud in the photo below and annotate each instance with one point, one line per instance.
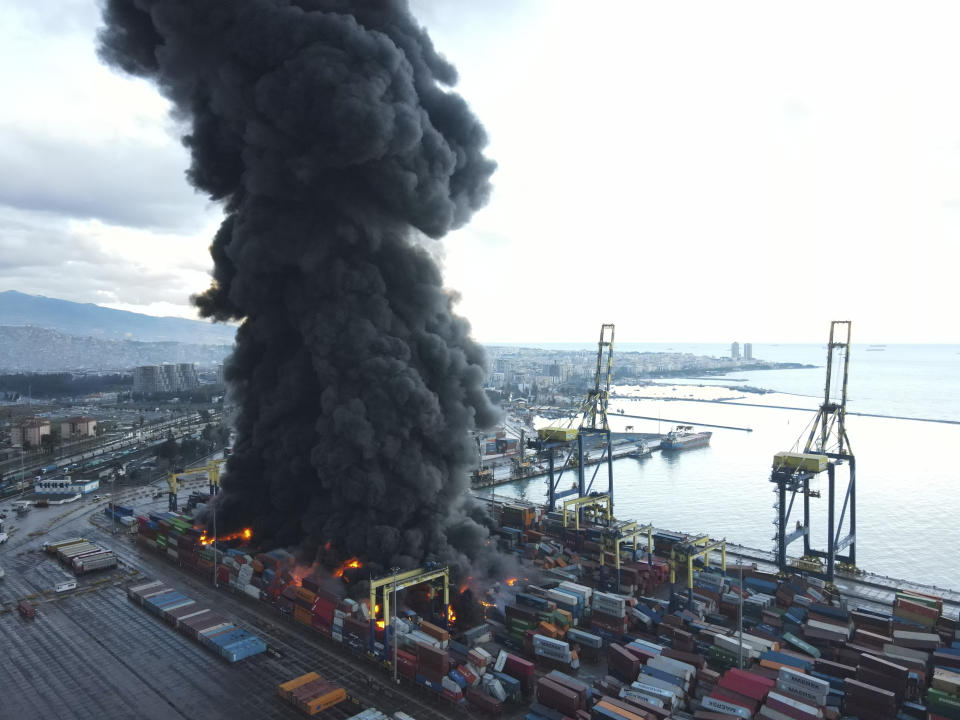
(695, 171)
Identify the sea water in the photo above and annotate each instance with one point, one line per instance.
(908, 474)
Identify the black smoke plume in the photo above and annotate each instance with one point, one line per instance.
(328, 130)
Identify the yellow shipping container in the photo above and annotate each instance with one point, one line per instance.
(557, 434)
(284, 689)
(301, 615)
(808, 462)
(307, 595)
(327, 700)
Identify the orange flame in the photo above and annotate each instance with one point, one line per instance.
(511, 581)
(300, 572)
(351, 563)
(381, 624)
(245, 534)
(451, 616)
(464, 588)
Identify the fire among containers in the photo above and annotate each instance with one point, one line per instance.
(805, 654)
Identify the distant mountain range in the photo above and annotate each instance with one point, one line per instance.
(35, 349)
(89, 320)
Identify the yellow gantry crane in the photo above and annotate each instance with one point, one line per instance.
(395, 583)
(827, 448)
(593, 424)
(175, 479)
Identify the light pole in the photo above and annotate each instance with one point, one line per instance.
(113, 499)
(740, 617)
(214, 544)
(393, 623)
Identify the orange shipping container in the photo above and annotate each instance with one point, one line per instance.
(307, 595)
(435, 632)
(549, 630)
(302, 615)
(284, 689)
(327, 700)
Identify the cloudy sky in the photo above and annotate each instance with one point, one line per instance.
(695, 171)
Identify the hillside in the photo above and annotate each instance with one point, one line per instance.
(89, 320)
(33, 349)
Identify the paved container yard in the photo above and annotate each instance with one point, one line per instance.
(92, 653)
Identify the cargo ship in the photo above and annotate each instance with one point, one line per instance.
(682, 437)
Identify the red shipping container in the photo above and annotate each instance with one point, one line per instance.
(735, 698)
(746, 683)
(555, 696)
(489, 705)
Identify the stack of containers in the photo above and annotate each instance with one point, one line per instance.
(202, 625)
(609, 614)
(516, 667)
(739, 692)
(311, 693)
(555, 651)
(433, 664)
(94, 561)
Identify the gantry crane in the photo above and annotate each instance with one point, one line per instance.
(826, 448)
(593, 424)
(175, 480)
(395, 583)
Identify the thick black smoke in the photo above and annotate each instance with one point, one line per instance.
(328, 130)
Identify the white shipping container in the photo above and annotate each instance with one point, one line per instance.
(252, 591)
(609, 604)
(494, 688)
(564, 599)
(669, 697)
(678, 691)
(674, 667)
(576, 591)
(732, 645)
(634, 694)
(710, 703)
(759, 643)
(584, 638)
(549, 647)
(814, 684)
(802, 692)
(448, 684)
(552, 653)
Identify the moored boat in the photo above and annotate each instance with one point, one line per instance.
(682, 437)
